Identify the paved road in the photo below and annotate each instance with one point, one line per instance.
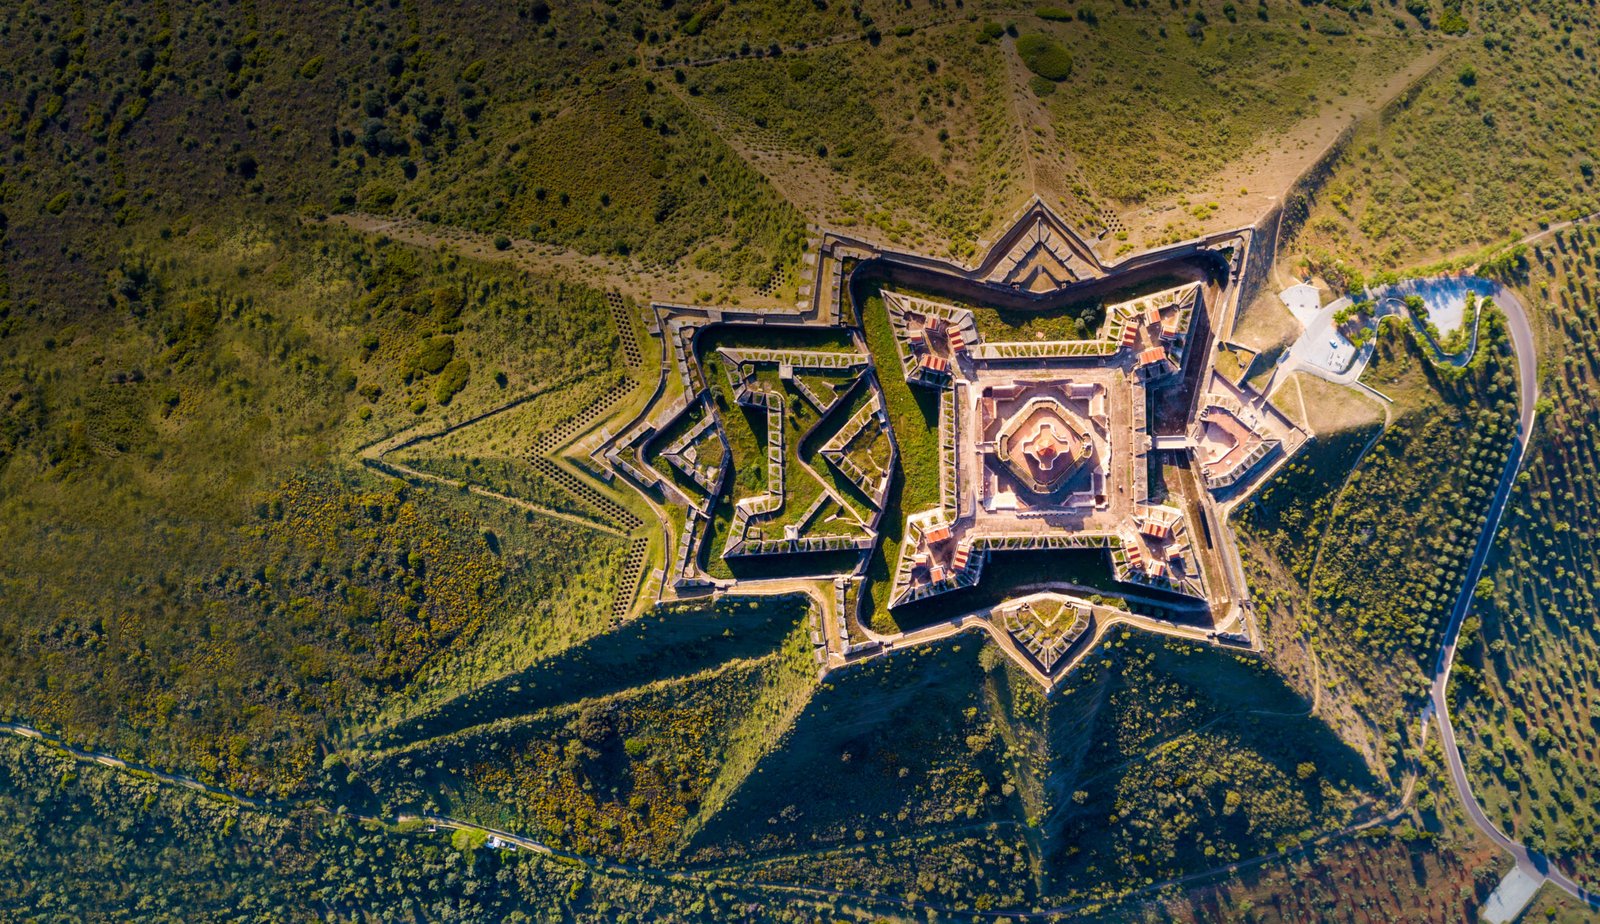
(1438, 706)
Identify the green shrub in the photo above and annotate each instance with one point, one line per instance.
(698, 21)
(452, 380)
(1041, 86)
(312, 67)
(990, 32)
(1045, 56)
(446, 303)
(58, 204)
(465, 841)
(432, 355)
(378, 196)
(501, 242)
(1055, 13)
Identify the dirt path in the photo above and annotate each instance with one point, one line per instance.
(1053, 171)
(1558, 227)
(1023, 114)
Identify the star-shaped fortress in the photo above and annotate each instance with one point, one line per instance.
(908, 424)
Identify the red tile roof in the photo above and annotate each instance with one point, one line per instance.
(1155, 528)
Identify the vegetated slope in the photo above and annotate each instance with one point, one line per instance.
(1524, 683)
(1418, 868)
(1157, 102)
(197, 574)
(1195, 759)
(180, 856)
(1426, 863)
(84, 843)
(1155, 761)
(621, 168)
(703, 33)
(623, 773)
(1369, 580)
(1280, 531)
(921, 123)
(123, 114)
(668, 642)
(1497, 140)
(1363, 878)
(841, 770)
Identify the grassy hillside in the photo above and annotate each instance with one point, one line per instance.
(592, 752)
(519, 119)
(1496, 141)
(200, 573)
(1188, 90)
(921, 129)
(1362, 573)
(171, 855)
(1428, 864)
(1524, 682)
(896, 767)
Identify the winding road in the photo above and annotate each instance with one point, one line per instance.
(1438, 705)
